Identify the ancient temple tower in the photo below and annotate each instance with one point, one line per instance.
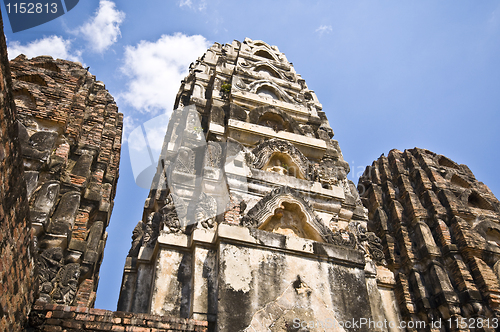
(440, 231)
(251, 222)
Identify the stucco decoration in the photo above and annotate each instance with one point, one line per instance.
(281, 120)
(256, 86)
(295, 163)
(206, 211)
(174, 214)
(284, 211)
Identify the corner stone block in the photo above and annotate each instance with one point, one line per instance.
(44, 201)
(64, 217)
(93, 242)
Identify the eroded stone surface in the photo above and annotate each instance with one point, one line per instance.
(70, 135)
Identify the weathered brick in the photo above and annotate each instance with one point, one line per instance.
(422, 186)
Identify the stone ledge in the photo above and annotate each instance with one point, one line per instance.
(85, 319)
(294, 245)
(246, 133)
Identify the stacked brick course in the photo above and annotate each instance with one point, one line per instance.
(59, 318)
(70, 134)
(440, 229)
(17, 266)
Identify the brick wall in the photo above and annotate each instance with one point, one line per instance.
(70, 136)
(440, 228)
(17, 277)
(59, 318)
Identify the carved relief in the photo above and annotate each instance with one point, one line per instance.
(173, 214)
(184, 163)
(255, 86)
(49, 264)
(152, 229)
(137, 239)
(275, 118)
(263, 154)
(342, 238)
(206, 211)
(329, 173)
(370, 244)
(286, 205)
(67, 284)
(213, 155)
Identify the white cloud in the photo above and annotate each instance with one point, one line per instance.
(156, 69)
(324, 29)
(54, 46)
(103, 29)
(187, 3)
(200, 5)
(129, 123)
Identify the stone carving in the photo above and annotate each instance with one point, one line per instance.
(278, 168)
(67, 284)
(307, 129)
(173, 213)
(152, 229)
(57, 282)
(206, 211)
(342, 238)
(137, 239)
(255, 86)
(184, 163)
(264, 151)
(369, 243)
(82, 166)
(277, 118)
(194, 131)
(271, 205)
(329, 173)
(43, 202)
(212, 163)
(49, 264)
(64, 216)
(94, 237)
(37, 147)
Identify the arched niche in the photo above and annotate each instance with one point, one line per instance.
(268, 153)
(270, 88)
(477, 201)
(264, 54)
(289, 219)
(493, 236)
(489, 230)
(283, 164)
(275, 121)
(459, 181)
(284, 211)
(270, 116)
(268, 92)
(266, 70)
(443, 161)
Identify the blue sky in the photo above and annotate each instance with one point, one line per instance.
(390, 74)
